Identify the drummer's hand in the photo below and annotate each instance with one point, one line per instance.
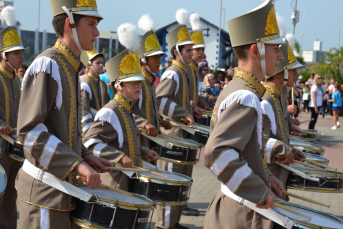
(277, 185)
(193, 103)
(202, 103)
(289, 160)
(126, 162)
(299, 156)
(269, 202)
(152, 155)
(292, 109)
(152, 131)
(295, 130)
(295, 121)
(97, 163)
(92, 176)
(165, 124)
(7, 129)
(197, 112)
(190, 119)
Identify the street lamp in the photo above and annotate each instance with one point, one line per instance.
(302, 35)
(224, 16)
(339, 37)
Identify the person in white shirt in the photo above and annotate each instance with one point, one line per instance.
(317, 93)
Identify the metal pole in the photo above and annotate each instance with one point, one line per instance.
(110, 48)
(301, 47)
(220, 23)
(38, 24)
(339, 38)
(295, 10)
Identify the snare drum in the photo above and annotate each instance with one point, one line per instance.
(316, 158)
(171, 191)
(197, 132)
(309, 137)
(112, 210)
(319, 219)
(329, 181)
(3, 181)
(175, 149)
(15, 148)
(308, 147)
(204, 120)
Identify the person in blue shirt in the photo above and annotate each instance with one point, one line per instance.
(337, 105)
(104, 77)
(209, 90)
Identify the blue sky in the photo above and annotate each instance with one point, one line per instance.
(319, 19)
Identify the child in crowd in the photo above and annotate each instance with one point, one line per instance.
(337, 105)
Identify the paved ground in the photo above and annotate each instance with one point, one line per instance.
(205, 185)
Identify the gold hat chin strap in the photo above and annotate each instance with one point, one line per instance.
(262, 50)
(73, 27)
(5, 59)
(95, 72)
(178, 52)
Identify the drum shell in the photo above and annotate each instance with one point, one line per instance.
(16, 152)
(198, 137)
(324, 185)
(102, 216)
(160, 191)
(176, 153)
(204, 120)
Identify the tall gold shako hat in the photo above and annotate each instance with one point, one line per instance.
(88, 56)
(125, 67)
(149, 45)
(257, 26)
(70, 7)
(180, 35)
(9, 36)
(197, 35)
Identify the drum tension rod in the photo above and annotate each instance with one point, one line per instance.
(147, 189)
(90, 215)
(134, 223)
(114, 213)
(151, 217)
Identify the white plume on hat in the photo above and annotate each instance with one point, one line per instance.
(128, 37)
(146, 23)
(182, 16)
(8, 14)
(195, 22)
(291, 40)
(282, 25)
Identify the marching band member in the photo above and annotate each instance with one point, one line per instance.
(197, 37)
(235, 149)
(94, 92)
(12, 57)
(145, 108)
(114, 134)
(276, 127)
(49, 120)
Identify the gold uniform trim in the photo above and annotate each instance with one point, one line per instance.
(250, 81)
(198, 38)
(194, 70)
(182, 68)
(129, 64)
(151, 43)
(147, 76)
(271, 23)
(94, 90)
(7, 100)
(6, 72)
(86, 3)
(183, 34)
(148, 109)
(66, 53)
(123, 102)
(11, 38)
(104, 93)
(274, 89)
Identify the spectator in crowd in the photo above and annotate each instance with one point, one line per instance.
(336, 83)
(337, 105)
(21, 72)
(219, 74)
(306, 97)
(227, 80)
(300, 81)
(326, 98)
(170, 59)
(311, 80)
(332, 85)
(316, 100)
(202, 72)
(104, 77)
(209, 91)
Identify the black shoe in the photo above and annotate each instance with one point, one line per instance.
(190, 211)
(179, 226)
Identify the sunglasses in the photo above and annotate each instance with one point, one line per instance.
(205, 70)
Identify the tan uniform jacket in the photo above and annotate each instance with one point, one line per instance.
(114, 134)
(173, 96)
(9, 104)
(49, 124)
(193, 82)
(145, 108)
(94, 94)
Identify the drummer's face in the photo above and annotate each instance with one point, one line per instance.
(154, 63)
(132, 89)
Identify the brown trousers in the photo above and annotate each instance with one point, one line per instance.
(168, 216)
(8, 206)
(226, 213)
(34, 217)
